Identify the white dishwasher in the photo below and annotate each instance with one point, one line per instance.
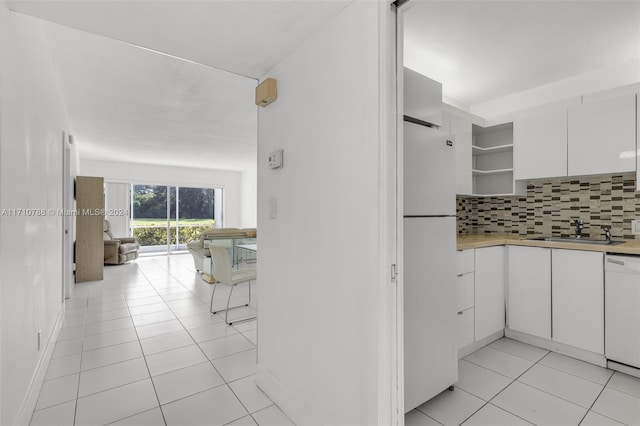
(622, 310)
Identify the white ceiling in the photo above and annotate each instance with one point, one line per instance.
(139, 105)
(149, 105)
(485, 50)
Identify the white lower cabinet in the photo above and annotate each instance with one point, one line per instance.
(465, 295)
(489, 291)
(465, 323)
(578, 299)
(529, 294)
(480, 286)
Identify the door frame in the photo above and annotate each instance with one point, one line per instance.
(66, 219)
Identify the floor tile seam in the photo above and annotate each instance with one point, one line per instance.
(420, 411)
(493, 371)
(155, 391)
(136, 414)
(111, 364)
(114, 387)
(288, 416)
(107, 310)
(461, 390)
(517, 356)
(596, 400)
(486, 368)
(221, 337)
(557, 396)
(620, 390)
(235, 353)
(107, 346)
(95, 322)
(167, 350)
(507, 411)
(579, 377)
(108, 331)
(194, 394)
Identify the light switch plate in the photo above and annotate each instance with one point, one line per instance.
(275, 159)
(635, 227)
(273, 208)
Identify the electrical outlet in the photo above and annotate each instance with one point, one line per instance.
(635, 227)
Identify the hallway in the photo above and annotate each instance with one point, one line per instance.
(141, 348)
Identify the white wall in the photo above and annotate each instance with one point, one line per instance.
(180, 176)
(249, 202)
(320, 263)
(32, 117)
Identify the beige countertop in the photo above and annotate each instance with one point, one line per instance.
(469, 241)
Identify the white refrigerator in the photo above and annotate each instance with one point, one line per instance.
(430, 354)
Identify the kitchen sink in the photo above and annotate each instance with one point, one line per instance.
(575, 240)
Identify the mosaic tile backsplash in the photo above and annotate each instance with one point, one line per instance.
(550, 206)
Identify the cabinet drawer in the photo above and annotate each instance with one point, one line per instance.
(465, 291)
(464, 261)
(465, 328)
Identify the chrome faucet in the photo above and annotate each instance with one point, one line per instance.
(579, 224)
(607, 233)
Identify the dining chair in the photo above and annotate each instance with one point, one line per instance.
(224, 274)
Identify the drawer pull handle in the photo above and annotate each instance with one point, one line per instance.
(459, 275)
(460, 312)
(617, 262)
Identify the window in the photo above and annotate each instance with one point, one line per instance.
(165, 218)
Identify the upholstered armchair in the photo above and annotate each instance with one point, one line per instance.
(118, 250)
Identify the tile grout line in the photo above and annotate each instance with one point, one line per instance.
(596, 400)
(145, 359)
(503, 389)
(210, 361)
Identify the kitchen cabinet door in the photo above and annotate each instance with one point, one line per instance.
(602, 136)
(540, 145)
(577, 292)
(464, 326)
(489, 291)
(460, 128)
(529, 291)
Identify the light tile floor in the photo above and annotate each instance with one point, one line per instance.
(142, 348)
(510, 383)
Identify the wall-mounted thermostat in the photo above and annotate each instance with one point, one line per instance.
(275, 159)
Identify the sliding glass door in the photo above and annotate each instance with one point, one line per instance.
(165, 218)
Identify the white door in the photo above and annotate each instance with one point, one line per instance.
(430, 355)
(428, 172)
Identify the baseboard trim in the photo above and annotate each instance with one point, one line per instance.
(561, 348)
(472, 347)
(291, 405)
(35, 385)
(623, 368)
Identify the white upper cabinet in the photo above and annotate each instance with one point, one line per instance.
(638, 142)
(540, 144)
(422, 98)
(460, 130)
(602, 136)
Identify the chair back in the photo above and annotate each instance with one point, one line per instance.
(106, 230)
(221, 264)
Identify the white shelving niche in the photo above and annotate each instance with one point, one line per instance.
(492, 161)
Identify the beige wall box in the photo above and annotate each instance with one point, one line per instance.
(266, 92)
